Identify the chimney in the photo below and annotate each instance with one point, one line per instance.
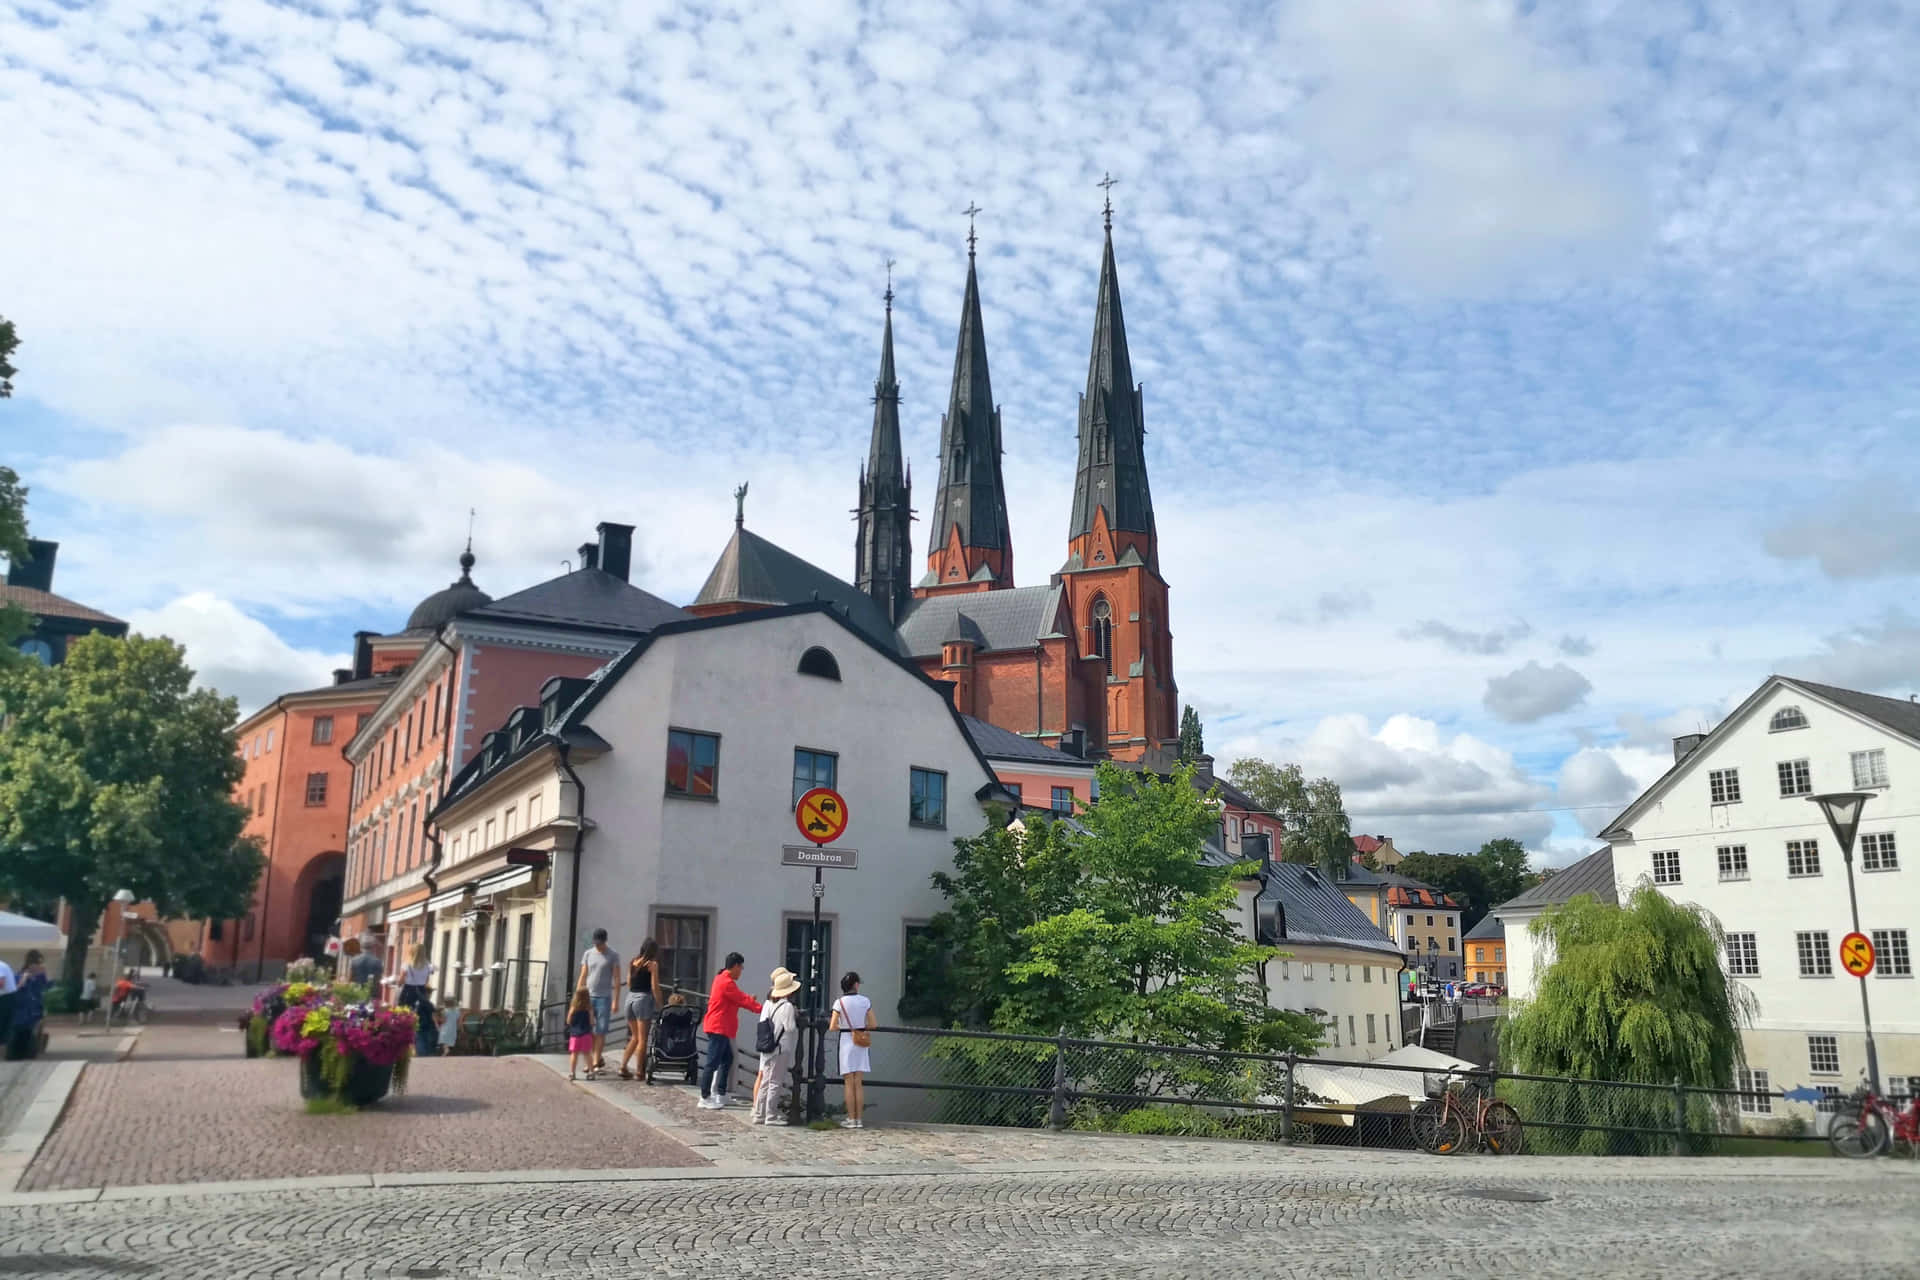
(589, 555)
(36, 570)
(616, 549)
(1203, 770)
(363, 654)
(1074, 743)
(342, 674)
(1686, 744)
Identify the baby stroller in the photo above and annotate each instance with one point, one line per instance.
(673, 1044)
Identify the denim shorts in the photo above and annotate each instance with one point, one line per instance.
(602, 1013)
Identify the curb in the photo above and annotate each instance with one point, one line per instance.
(41, 1115)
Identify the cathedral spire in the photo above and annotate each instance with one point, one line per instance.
(1112, 472)
(970, 542)
(883, 544)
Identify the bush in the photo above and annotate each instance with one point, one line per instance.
(59, 1000)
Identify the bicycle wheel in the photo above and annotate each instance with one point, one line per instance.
(1857, 1137)
(1439, 1129)
(1502, 1131)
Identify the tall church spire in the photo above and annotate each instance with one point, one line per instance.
(970, 543)
(1112, 473)
(883, 545)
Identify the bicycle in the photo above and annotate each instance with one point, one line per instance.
(1444, 1125)
(1874, 1126)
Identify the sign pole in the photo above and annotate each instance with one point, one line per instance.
(821, 816)
(816, 1079)
(1866, 1011)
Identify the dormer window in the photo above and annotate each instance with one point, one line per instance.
(1787, 718)
(818, 662)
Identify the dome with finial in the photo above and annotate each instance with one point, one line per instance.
(449, 602)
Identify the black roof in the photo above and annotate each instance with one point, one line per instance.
(752, 570)
(451, 600)
(1592, 874)
(1112, 470)
(1488, 930)
(1897, 714)
(589, 599)
(1003, 744)
(1315, 910)
(1015, 618)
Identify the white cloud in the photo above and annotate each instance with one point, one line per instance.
(1876, 535)
(1535, 692)
(236, 654)
(1496, 641)
(1879, 657)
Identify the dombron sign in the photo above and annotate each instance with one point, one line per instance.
(803, 855)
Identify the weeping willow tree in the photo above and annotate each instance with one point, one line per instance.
(1633, 993)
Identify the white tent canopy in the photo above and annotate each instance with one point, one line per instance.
(25, 931)
(1372, 1087)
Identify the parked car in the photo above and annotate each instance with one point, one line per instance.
(1476, 989)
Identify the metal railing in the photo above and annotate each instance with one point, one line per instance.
(1028, 1081)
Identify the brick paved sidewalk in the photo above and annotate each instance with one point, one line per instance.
(188, 1107)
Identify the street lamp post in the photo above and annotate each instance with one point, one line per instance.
(121, 901)
(1842, 809)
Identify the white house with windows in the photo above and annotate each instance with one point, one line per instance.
(666, 788)
(1730, 827)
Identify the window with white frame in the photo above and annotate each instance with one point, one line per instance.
(1891, 959)
(1823, 1055)
(1787, 718)
(1371, 1037)
(1803, 857)
(1666, 866)
(1755, 1092)
(1870, 768)
(1733, 861)
(1308, 971)
(1743, 955)
(1796, 778)
(1877, 852)
(1723, 786)
(1816, 957)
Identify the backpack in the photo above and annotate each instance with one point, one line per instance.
(767, 1038)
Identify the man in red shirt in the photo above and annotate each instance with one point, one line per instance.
(721, 1024)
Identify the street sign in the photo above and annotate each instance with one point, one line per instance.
(806, 855)
(821, 815)
(1856, 954)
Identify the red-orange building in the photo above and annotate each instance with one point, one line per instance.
(295, 790)
(1083, 661)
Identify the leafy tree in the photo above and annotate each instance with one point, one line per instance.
(1192, 741)
(115, 773)
(1631, 993)
(9, 343)
(15, 622)
(1312, 814)
(1460, 877)
(1503, 864)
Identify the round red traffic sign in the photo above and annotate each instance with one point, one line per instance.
(1856, 954)
(821, 815)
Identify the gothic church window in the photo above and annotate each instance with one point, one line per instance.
(1103, 632)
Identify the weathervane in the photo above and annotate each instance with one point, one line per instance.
(1107, 183)
(971, 210)
(889, 286)
(740, 506)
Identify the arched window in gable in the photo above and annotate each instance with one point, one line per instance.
(1787, 718)
(818, 662)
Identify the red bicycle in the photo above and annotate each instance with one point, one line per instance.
(1872, 1125)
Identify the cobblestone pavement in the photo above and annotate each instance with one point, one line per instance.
(1325, 1215)
(188, 1107)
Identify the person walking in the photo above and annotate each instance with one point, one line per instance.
(600, 975)
(643, 1002)
(365, 969)
(415, 981)
(29, 1007)
(580, 1033)
(721, 1024)
(778, 1044)
(853, 1019)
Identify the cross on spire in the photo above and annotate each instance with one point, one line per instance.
(889, 293)
(971, 210)
(1107, 183)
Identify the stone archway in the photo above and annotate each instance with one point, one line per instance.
(317, 896)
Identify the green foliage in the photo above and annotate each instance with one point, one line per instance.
(15, 622)
(1116, 930)
(1173, 1121)
(328, 1105)
(9, 343)
(351, 992)
(1313, 814)
(116, 773)
(258, 1039)
(58, 1000)
(1192, 738)
(1479, 881)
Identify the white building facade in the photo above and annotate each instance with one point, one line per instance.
(1730, 827)
(690, 753)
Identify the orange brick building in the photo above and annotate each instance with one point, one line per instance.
(1083, 661)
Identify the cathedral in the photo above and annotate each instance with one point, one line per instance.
(1082, 661)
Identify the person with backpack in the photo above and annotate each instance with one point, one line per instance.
(777, 1041)
(853, 1019)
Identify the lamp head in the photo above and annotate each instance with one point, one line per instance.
(1843, 809)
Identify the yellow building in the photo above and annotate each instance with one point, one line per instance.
(1486, 945)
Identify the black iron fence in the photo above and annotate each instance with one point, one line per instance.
(989, 1078)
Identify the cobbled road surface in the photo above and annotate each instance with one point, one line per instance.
(1325, 1217)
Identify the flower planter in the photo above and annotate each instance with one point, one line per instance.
(366, 1083)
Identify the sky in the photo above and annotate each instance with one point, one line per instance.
(1523, 383)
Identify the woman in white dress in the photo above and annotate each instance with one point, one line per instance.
(853, 1019)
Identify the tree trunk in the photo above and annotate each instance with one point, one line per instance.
(85, 917)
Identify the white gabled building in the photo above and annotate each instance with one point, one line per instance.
(691, 750)
(1729, 827)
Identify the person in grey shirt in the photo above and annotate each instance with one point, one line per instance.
(600, 975)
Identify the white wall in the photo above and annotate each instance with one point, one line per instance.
(1350, 985)
(1523, 953)
(1775, 906)
(649, 852)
